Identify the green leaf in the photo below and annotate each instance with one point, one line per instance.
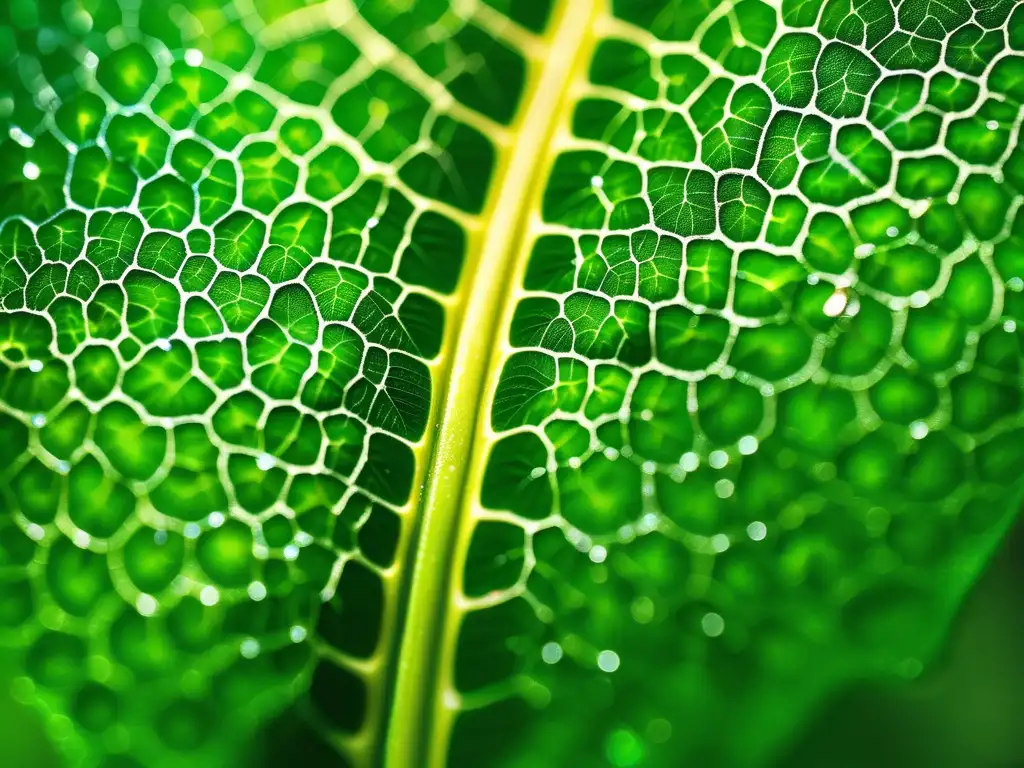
(536, 383)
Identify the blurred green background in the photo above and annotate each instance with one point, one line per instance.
(964, 712)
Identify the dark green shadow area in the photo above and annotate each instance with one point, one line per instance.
(963, 713)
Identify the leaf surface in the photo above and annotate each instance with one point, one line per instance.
(499, 383)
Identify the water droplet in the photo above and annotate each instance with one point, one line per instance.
(596, 181)
(193, 57)
(919, 299)
(297, 633)
(192, 530)
(35, 531)
(719, 543)
(216, 519)
(642, 609)
(145, 604)
(724, 489)
(291, 552)
(918, 430)
(748, 445)
(892, 231)
(372, 222)
(608, 661)
(757, 530)
(160, 537)
(257, 591)
(718, 459)
(598, 554)
(250, 648)
(209, 596)
(551, 653)
(712, 624)
(265, 461)
(835, 304)
(992, 125)
(38, 420)
(689, 461)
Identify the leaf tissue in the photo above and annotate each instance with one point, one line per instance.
(498, 382)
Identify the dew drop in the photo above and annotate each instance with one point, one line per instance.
(145, 604)
(297, 633)
(598, 554)
(642, 610)
(215, 519)
(919, 299)
(835, 304)
(551, 653)
(718, 459)
(712, 624)
(191, 530)
(31, 171)
(209, 596)
(265, 462)
(757, 530)
(193, 57)
(748, 445)
(918, 430)
(608, 661)
(250, 648)
(257, 591)
(719, 543)
(596, 181)
(690, 461)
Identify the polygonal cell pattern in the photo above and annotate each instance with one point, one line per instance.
(761, 396)
(230, 236)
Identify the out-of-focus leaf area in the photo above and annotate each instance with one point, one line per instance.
(962, 713)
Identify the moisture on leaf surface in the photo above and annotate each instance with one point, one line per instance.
(496, 383)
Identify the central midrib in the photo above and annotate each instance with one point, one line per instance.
(407, 735)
